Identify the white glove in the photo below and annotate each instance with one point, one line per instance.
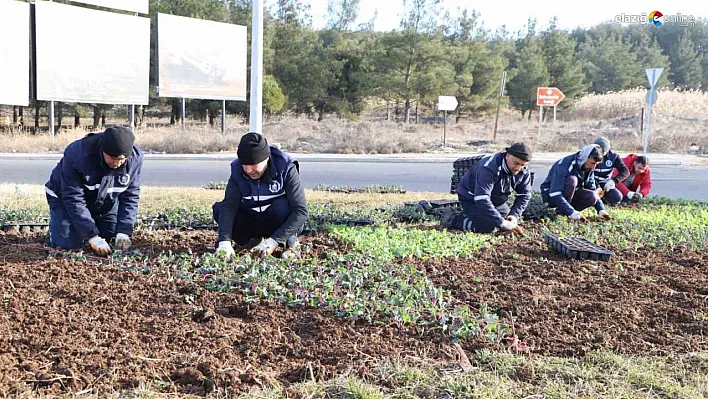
(266, 247)
(513, 219)
(630, 194)
(640, 195)
(100, 246)
(225, 248)
(604, 214)
(508, 226)
(609, 185)
(123, 242)
(576, 215)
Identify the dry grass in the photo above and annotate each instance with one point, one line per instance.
(155, 199)
(496, 375)
(687, 104)
(679, 120)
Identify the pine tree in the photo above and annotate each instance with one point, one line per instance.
(565, 71)
(608, 63)
(686, 70)
(649, 55)
(529, 73)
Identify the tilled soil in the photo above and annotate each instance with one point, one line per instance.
(70, 326)
(644, 302)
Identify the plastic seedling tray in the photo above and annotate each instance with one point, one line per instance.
(577, 248)
(25, 227)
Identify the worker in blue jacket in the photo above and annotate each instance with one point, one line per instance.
(570, 184)
(264, 199)
(603, 172)
(94, 190)
(485, 188)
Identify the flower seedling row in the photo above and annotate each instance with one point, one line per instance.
(577, 248)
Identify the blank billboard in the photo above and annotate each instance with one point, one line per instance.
(201, 59)
(14, 52)
(140, 6)
(91, 56)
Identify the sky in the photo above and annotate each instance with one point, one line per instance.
(514, 14)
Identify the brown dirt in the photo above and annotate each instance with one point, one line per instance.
(654, 303)
(69, 326)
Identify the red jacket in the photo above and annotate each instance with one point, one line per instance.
(643, 179)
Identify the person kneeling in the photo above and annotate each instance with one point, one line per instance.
(609, 172)
(264, 199)
(485, 188)
(94, 190)
(637, 186)
(570, 184)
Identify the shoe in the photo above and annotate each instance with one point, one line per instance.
(448, 216)
(424, 206)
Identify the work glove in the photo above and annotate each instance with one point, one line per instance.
(518, 229)
(604, 215)
(609, 185)
(634, 196)
(577, 216)
(508, 225)
(123, 242)
(100, 246)
(225, 249)
(266, 247)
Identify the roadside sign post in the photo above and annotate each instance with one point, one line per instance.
(446, 103)
(651, 97)
(547, 97)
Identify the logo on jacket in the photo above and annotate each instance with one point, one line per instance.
(124, 179)
(608, 162)
(275, 186)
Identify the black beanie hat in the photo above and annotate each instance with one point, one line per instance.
(118, 142)
(252, 149)
(520, 150)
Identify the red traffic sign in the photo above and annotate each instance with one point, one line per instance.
(549, 96)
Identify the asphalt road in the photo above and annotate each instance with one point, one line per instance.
(668, 181)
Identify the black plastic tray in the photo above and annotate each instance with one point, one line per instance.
(577, 248)
(461, 165)
(25, 227)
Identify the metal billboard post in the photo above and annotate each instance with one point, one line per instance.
(223, 116)
(184, 113)
(50, 117)
(256, 115)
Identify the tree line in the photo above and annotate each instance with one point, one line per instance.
(346, 67)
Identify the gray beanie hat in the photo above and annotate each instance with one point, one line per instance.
(604, 143)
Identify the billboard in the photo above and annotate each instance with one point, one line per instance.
(140, 6)
(201, 59)
(113, 66)
(14, 52)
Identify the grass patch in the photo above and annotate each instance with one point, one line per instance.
(395, 243)
(600, 374)
(502, 375)
(651, 226)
